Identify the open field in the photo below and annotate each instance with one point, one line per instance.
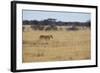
(65, 45)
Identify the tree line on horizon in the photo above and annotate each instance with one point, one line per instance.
(52, 23)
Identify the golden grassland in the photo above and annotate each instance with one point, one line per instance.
(65, 45)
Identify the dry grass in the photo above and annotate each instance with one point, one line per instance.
(65, 45)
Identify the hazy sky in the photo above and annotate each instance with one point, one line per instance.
(60, 16)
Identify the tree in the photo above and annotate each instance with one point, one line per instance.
(25, 22)
(49, 21)
(34, 22)
(88, 24)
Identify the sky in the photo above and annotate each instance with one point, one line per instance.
(60, 16)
